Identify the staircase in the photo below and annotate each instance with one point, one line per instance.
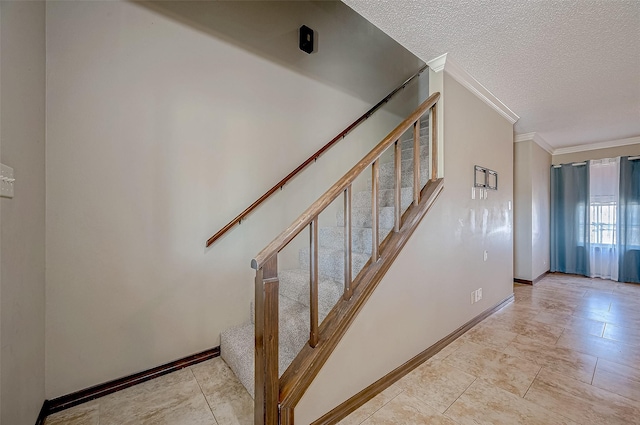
(237, 344)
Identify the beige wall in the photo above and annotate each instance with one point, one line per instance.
(531, 210)
(426, 293)
(161, 127)
(522, 211)
(628, 150)
(22, 231)
(540, 210)
(0, 217)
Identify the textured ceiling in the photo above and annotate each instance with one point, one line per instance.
(569, 69)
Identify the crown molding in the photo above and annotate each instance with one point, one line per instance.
(600, 145)
(537, 139)
(451, 67)
(437, 64)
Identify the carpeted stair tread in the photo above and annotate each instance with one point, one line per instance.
(331, 262)
(360, 238)
(294, 286)
(237, 344)
(386, 198)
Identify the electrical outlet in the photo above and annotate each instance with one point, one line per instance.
(486, 255)
(479, 292)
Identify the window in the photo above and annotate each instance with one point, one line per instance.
(603, 226)
(603, 202)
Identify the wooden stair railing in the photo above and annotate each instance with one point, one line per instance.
(311, 159)
(276, 397)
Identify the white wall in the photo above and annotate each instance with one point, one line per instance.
(426, 292)
(22, 227)
(161, 127)
(531, 210)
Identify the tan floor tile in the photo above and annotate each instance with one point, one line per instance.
(598, 299)
(609, 317)
(600, 290)
(591, 310)
(540, 332)
(566, 286)
(502, 370)
(436, 383)
(446, 351)
(625, 335)
(581, 402)
(515, 311)
(83, 414)
(175, 398)
(407, 410)
(626, 308)
(568, 297)
(568, 321)
(559, 359)
(555, 305)
(370, 407)
(615, 351)
(628, 289)
(229, 400)
(522, 287)
(618, 379)
(490, 336)
(486, 404)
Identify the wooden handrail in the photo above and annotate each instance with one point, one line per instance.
(275, 398)
(334, 191)
(311, 159)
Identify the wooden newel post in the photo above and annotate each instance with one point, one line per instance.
(266, 355)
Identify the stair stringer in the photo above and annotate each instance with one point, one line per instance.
(308, 363)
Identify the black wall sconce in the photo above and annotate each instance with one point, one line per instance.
(306, 39)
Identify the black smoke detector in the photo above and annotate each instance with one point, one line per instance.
(306, 39)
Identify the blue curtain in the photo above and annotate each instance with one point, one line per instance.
(569, 219)
(629, 221)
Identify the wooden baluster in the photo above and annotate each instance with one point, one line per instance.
(347, 243)
(313, 292)
(434, 142)
(398, 187)
(266, 344)
(416, 162)
(375, 173)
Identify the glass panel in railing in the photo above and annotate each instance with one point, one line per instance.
(331, 257)
(294, 300)
(425, 153)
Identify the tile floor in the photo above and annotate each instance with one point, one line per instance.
(567, 351)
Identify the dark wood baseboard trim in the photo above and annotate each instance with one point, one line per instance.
(523, 281)
(349, 406)
(43, 413)
(100, 390)
(532, 282)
